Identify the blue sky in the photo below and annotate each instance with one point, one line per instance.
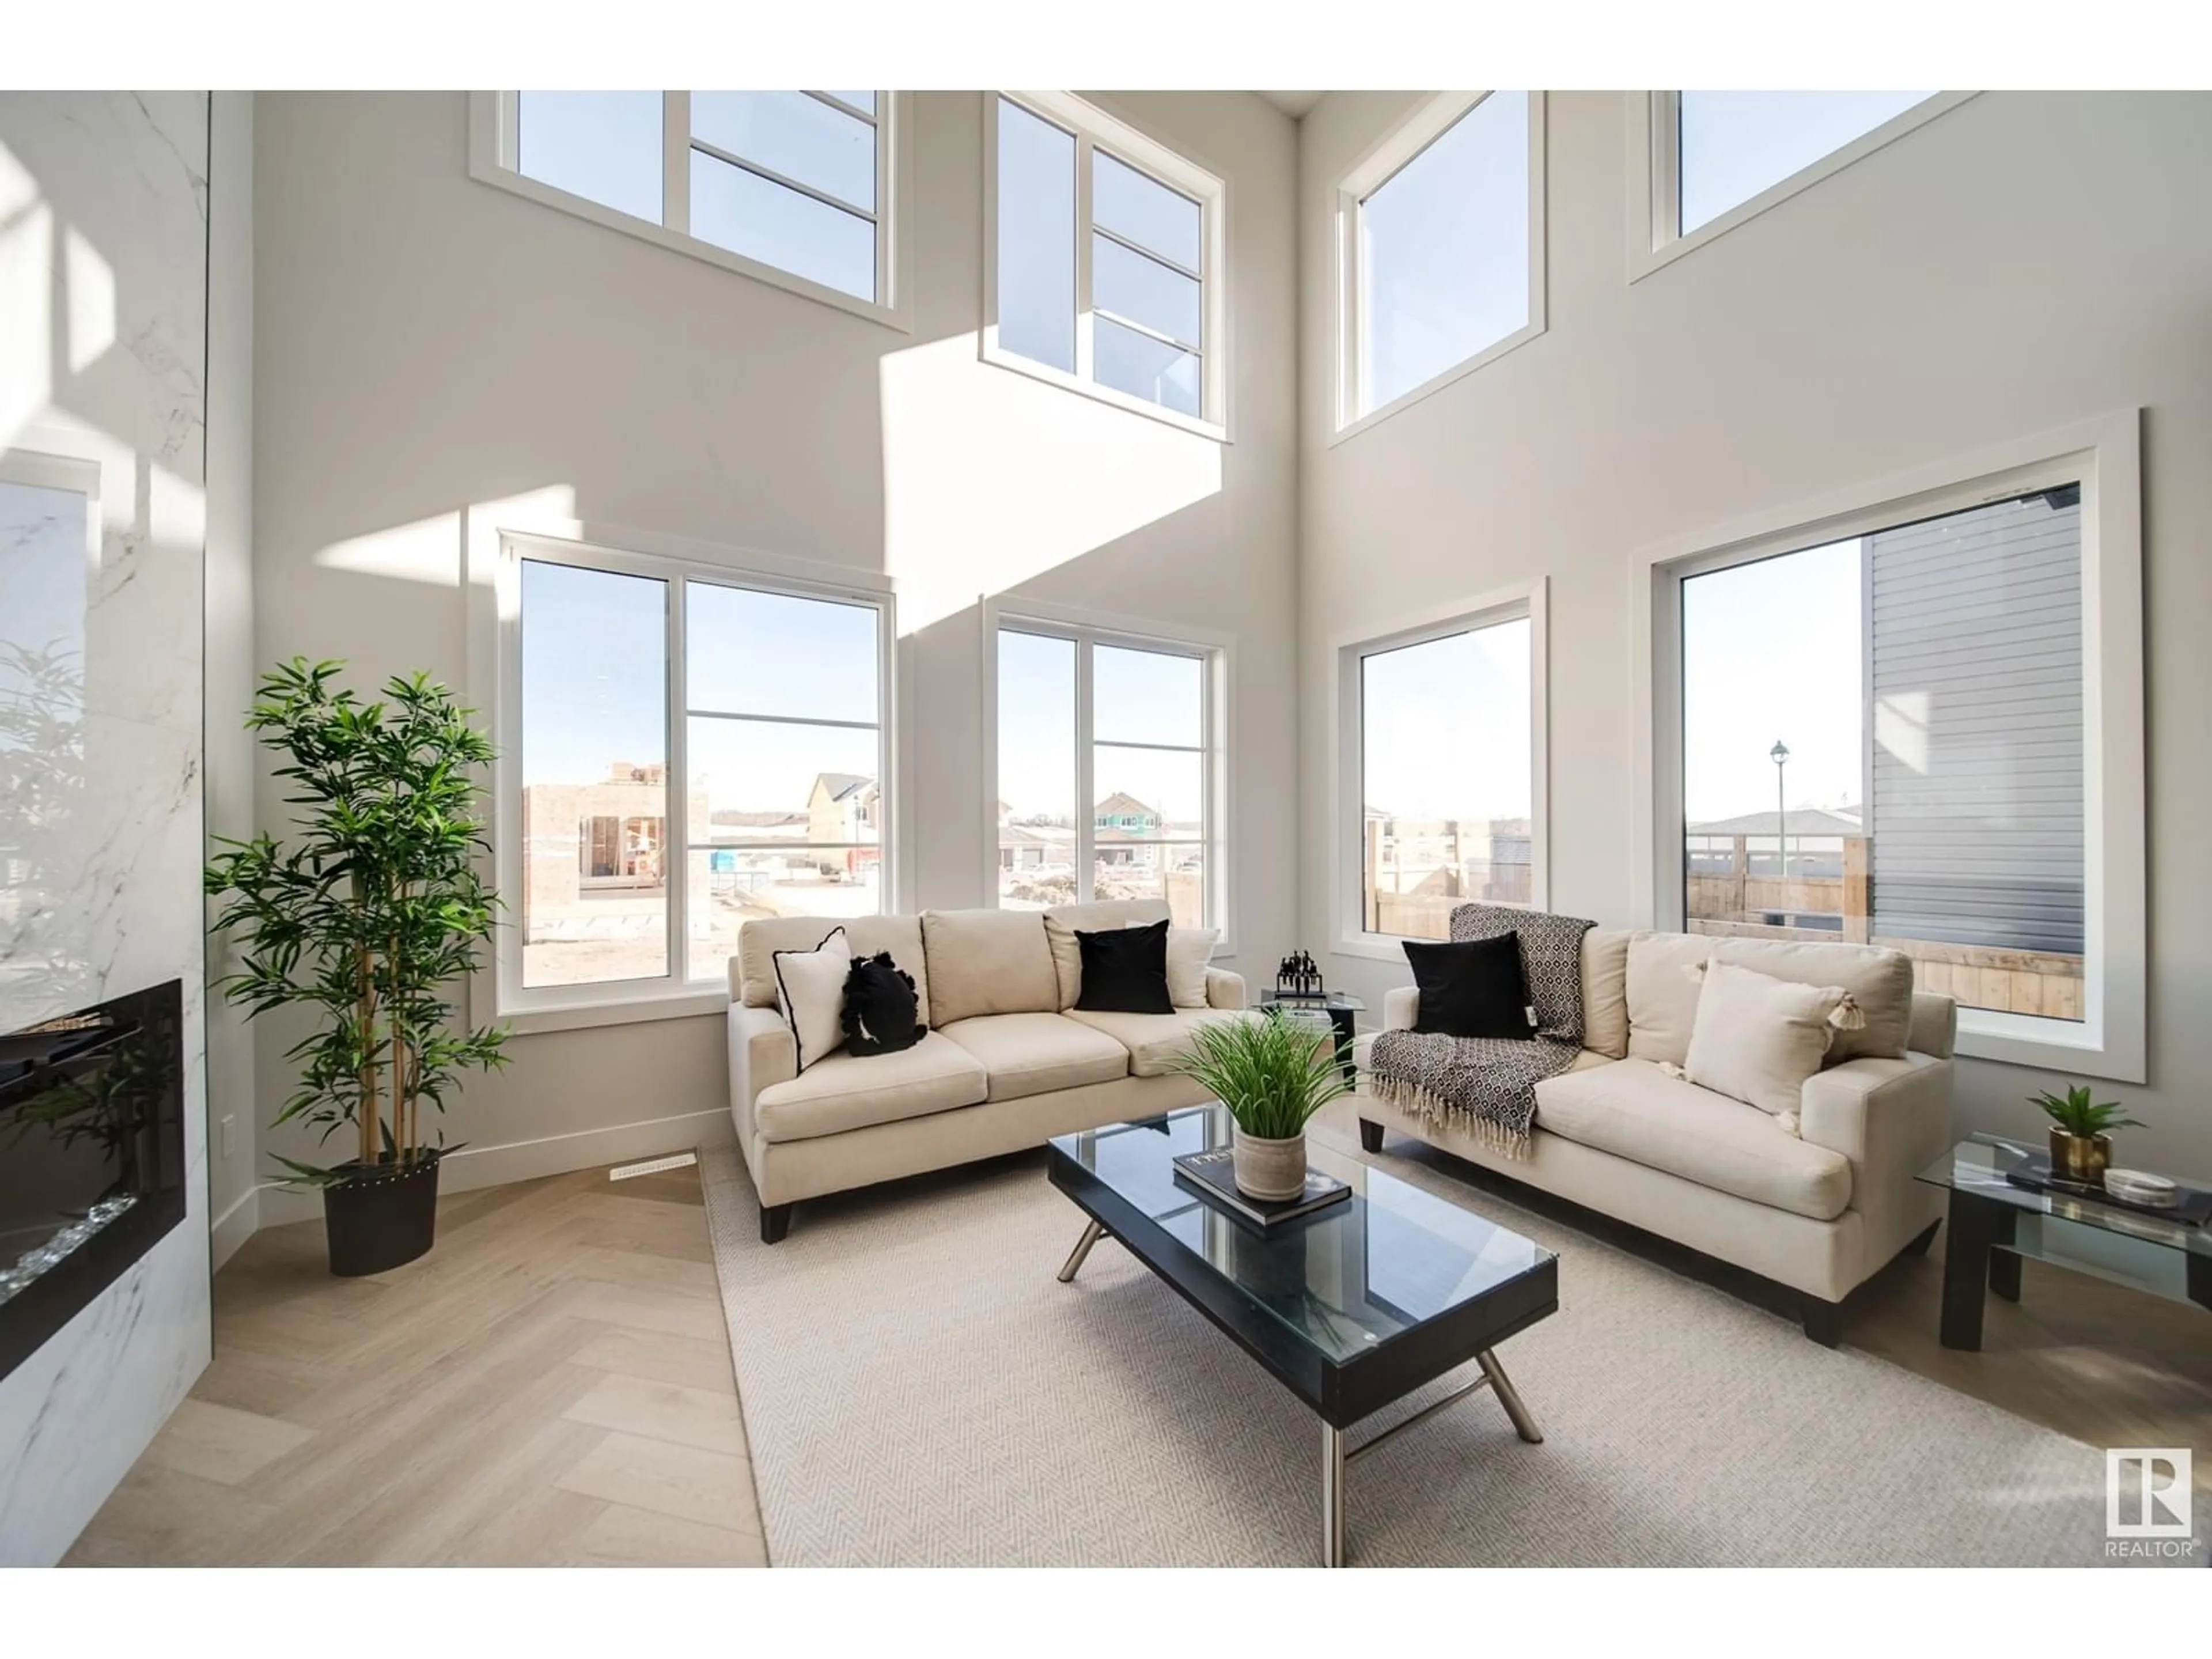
(1447, 247)
(1735, 144)
(606, 146)
(1139, 696)
(1445, 729)
(594, 670)
(1771, 651)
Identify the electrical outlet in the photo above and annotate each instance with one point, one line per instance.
(229, 1140)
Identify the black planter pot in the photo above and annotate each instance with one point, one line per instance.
(380, 1216)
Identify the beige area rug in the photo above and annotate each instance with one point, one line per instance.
(919, 1390)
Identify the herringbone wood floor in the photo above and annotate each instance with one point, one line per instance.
(551, 1386)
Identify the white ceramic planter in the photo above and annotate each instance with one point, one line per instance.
(1270, 1171)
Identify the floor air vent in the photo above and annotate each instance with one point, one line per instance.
(653, 1166)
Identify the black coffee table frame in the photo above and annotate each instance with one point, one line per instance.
(1340, 1394)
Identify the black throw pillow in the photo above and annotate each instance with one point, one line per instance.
(1477, 989)
(879, 1006)
(1125, 971)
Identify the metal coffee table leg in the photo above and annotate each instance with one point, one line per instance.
(1335, 1455)
(1092, 1234)
(1510, 1397)
(1332, 1496)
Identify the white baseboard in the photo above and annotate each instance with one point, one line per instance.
(233, 1228)
(527, 1160)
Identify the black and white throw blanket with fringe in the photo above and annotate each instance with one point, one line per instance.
(1486, 1086)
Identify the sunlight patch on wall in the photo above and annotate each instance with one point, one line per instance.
(1900, 727)
(26, 314)
(91, 282)
(428, 550)
(991, 478)
(434, 550)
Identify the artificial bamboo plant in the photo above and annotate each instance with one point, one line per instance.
(372, 912)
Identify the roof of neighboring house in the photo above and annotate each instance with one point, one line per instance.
(1121, 803)
(839, 784)
(1041, 835)
(1797, 821)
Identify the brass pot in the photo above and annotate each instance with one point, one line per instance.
(1270, 1171)
(2080, 1159)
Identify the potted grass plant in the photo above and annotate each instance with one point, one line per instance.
(1272, 1073)
(369, 914)
(2080, 1133)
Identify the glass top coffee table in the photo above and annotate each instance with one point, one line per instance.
(1351, 1308)
(1993, 1223)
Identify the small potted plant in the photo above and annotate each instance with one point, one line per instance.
(2080, 1133)
(1272, 1073)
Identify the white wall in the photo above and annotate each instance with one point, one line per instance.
(2022, 263)
(424, 343)
(103, 349)
(231, 667)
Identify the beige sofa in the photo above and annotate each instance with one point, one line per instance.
(1819, 1211)
(1008, 1061)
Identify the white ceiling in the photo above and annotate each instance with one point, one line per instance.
(1293, 104)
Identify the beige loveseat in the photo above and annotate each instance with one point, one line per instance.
(1818, 1210)
(1008, 1061)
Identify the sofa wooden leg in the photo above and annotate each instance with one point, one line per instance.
(776, 1222)
(1824, 1321)
(1370, 1136)
(1922, 1240)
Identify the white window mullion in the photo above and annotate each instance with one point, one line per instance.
(1086, 813)
(1084, 356)
(676, 160)
(676, 822)
(1666, 167)
(886, 200)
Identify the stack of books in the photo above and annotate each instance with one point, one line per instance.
(1212, 1176)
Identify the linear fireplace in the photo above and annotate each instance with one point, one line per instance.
(91, 1157)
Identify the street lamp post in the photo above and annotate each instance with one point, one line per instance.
(1780, 756)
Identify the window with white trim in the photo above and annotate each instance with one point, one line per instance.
(1129, 725)
(1442, 250)
(1710, 161)
(684, 749)
(1442, 797)
(1908, 726)
(1105, 258)
(792, 187)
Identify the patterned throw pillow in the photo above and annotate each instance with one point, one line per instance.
(1551, 956)
(879, 1006)
(810, 988)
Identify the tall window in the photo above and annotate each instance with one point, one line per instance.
(1920, 725)
(1443, 250)
(1718, 158)
(791, 186)
(1882, 739)
(1107, 771)
(656, 812)
(1104, 267)
(1442, 758)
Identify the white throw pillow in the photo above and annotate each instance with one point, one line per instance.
(810, 988)
(1757, 1039)
(1190, 949)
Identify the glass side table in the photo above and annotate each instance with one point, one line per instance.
(1993, 1223)
(1342, 1011)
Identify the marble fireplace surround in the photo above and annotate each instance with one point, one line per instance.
(104, 202)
